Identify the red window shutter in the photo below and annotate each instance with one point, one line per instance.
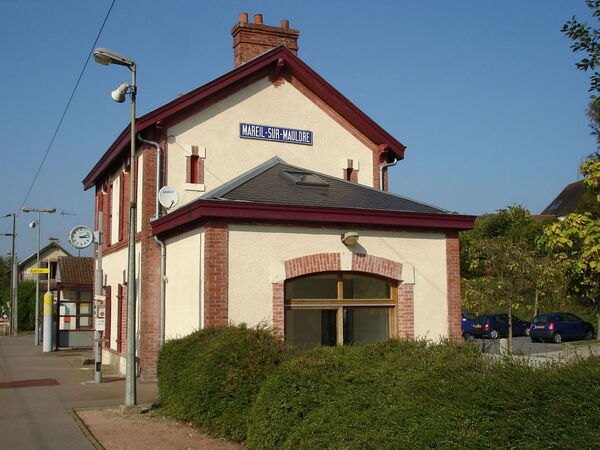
(120, 318)
(108, 214)
(121, 205)
(193, 162)
(107, 293)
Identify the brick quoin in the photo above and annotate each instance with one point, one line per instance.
(453, 276)
(149, 282)
(406, 311)
(216, 276)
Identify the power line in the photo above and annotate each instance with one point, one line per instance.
(64, 113)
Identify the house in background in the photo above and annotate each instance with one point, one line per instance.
(283, 217)
(566, 202)
(48, 259)
(73, 295)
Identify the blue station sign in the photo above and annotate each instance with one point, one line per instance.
(269, 133)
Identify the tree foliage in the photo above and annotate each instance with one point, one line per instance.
(504, 270)
(587, 40)
(576, 241)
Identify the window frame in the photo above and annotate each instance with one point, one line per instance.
(340, 304)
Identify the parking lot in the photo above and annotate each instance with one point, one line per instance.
(521, 345)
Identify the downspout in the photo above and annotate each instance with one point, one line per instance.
(161, 244)
(385, 166)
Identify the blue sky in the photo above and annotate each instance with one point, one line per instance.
(484, 94)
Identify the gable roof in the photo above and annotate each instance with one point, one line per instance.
(277, 191)
(565, 202)
(43, 251)
(277, 182)
(278, 59)
(75, 270)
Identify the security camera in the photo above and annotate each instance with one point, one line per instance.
(33, 224)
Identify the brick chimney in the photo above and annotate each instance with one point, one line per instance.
(253, 39)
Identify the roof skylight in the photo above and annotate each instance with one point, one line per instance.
(305, 179)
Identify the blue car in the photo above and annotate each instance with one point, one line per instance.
(468, 319)
(557, 327)
(495, 326)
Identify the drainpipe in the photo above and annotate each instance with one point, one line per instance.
(385, 166)
(160, 243)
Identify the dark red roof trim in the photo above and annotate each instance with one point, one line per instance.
(202, 209)
(294, 65)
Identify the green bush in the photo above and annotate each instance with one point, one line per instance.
(211, 377)
(411, 394)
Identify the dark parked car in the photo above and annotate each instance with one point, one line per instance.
(558, 327)
(496, 325)
(468, 319)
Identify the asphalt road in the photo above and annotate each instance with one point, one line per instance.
(37, 390)
(521, 345)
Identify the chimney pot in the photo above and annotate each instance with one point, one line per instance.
(252, 41)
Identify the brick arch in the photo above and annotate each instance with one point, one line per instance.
(376, 265)
(306, 265)
(329, 262)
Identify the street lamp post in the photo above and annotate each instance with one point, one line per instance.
(14, 313)
(38, 224)
(105, 57)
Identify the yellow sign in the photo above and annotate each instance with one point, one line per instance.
(42, 270)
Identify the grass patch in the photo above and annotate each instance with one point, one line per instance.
(579, 343)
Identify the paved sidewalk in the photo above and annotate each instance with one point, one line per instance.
(37, 417)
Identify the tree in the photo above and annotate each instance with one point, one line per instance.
(504, 262)
(587, 40)
(576, 241)
(503, 269)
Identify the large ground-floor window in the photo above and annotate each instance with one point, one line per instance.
(339, 308)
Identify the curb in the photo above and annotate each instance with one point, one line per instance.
(87, 433)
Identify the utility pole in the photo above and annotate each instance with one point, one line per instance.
(100, 310)
(37, 275)
(14, 314)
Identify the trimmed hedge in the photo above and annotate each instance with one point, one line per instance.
(243, 384)
(406, 394)
(211, 377)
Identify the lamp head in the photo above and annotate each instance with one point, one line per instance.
(105, 57)
(118, 95)
(33, 224)
(350, 238)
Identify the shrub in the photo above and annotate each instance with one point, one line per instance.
(407, 394)
(211, 377)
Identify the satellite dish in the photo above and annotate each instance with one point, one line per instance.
(168, 197)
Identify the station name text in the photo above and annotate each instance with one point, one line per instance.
(269, 133)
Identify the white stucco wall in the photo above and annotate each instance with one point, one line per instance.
(227, 155)
(256, 254)
(113, 266)
(183, 291)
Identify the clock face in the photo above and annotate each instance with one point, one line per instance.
(81, 236)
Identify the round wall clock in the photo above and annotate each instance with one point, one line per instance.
(81, 236)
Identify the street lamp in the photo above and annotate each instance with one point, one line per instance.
(38, 224)
(105, 57)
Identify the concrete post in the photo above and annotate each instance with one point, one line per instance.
(47, 345)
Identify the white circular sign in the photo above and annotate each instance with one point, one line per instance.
(168, 197)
